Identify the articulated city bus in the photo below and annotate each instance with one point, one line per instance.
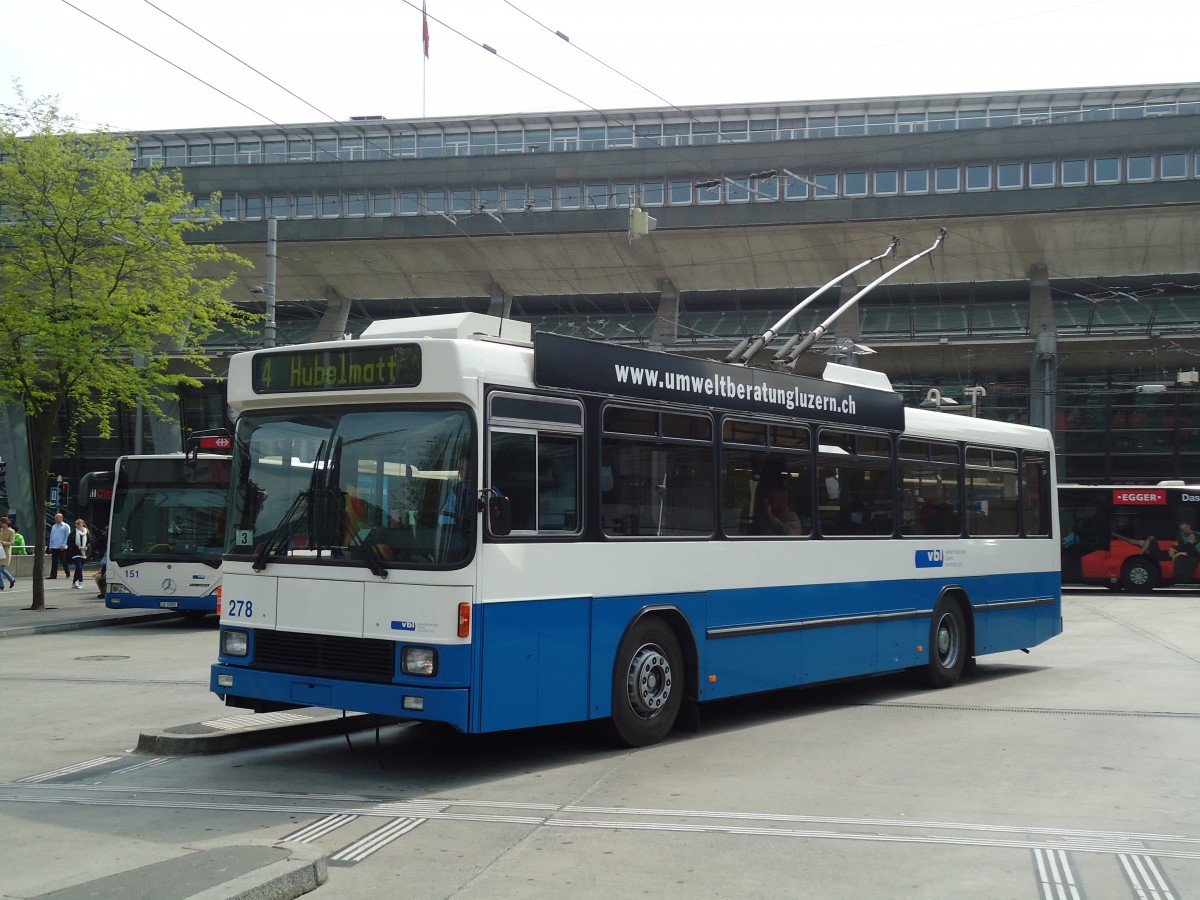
(446, 520)
(1129, 537)
(167, 532)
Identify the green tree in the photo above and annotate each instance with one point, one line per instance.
(101, 298)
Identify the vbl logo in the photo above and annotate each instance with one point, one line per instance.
(929, 559)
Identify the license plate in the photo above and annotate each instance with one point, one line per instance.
(169, 604)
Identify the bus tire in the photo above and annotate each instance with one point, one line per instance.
(648, 683)
(1139, 575)
(948, 649)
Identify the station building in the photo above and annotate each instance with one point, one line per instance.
(1065, 294)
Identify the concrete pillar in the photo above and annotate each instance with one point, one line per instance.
(333, 323)
(1043, 363)
(501, 302)
(665, 331)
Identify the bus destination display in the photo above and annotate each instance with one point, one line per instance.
(349, 369)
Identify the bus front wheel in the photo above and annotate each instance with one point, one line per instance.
(648, 683)
(947, 645)
(1139, 576)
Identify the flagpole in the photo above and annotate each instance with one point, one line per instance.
(424, 54)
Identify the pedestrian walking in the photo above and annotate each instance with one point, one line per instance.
(57, 545)
(7, 536)
(78, 543)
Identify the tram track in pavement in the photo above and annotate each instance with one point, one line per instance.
(345, 809)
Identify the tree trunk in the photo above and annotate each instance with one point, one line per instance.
(41, 425)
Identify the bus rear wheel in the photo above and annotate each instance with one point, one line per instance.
(1139, 576)
(648, 683)
(947, 645)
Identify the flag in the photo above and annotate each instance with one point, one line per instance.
(424, 30)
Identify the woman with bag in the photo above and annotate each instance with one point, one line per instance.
(7, 536)
(78, 542)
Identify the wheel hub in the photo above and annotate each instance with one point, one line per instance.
(649, 682)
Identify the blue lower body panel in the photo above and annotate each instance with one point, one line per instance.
(207, 603)
(449, 705)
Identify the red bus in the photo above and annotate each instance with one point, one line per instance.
(1130, 537)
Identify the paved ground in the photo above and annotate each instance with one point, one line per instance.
(205, 871)
(67, 609)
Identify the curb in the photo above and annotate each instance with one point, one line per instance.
(303, 871)
(222, 736)
(79, 624)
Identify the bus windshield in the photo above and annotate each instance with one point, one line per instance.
(375, 488)
(169, 509)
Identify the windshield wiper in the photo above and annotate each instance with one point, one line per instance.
(265, 552)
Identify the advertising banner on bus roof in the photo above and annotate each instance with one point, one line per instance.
(609, 369)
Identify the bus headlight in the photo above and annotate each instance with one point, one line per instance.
(418, 661)
(235, 643)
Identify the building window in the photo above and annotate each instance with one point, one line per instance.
(331, 205)
(351, 148)
(1139, 168)
(199, 154)
(1041, 174)
(229, 208)
(1172, 165)
(737, 190)
(855, 184)
(652, 193)
(597, 196)
(514, 198)
(1010, 176)
(649, 136)
(566, 139)
(851, 126)
(274, 151)
(945, 179)
(766, 189)
(510, 142)
(460, 201)
(619, 137)
(409, 203)
(622, 195)
(825, 185)
(301, 150)
(794, 188)
(378, 147)
(916, 181)
(881, 124)
(224, 153)
(569, 196)
(356, 203)
(681, 193)
(592, 138)
(822, 126)
(278, 206)
(325, 149)
(175, 155)
(304, 206)
(1074, 171)
(483, 143)
(887, 182)
(381, 203)
(537, 140)
(487, 198)
(252, 207)
(1107, 170)
(943, 121)
(711, 194)
(429, 145)
(542, 197)
(435, 202)
(979, 178)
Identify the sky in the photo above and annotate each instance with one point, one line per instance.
(322, 61)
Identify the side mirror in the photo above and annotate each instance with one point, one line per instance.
(499, 515)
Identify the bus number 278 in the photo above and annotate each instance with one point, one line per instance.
(243, 609)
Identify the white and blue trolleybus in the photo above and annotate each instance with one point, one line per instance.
(447, 520)
(167, 531)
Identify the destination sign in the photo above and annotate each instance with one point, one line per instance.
(337, 369)
(582, 365)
